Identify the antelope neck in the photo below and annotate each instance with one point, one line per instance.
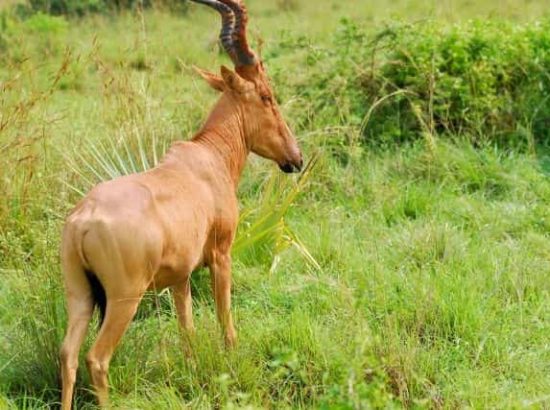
(223, 135)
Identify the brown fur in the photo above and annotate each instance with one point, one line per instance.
(151, 230)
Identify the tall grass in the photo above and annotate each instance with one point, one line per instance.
(388, 275)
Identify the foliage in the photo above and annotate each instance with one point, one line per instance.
(43, 24)
(80, 8)
(484, 80)
(47, 33)
(68, 7)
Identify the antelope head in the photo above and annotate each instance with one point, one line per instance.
(248, 90)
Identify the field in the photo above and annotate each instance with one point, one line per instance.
(408, 267)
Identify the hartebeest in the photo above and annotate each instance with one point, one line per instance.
(151, 230)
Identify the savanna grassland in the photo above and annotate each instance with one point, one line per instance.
(409, 266)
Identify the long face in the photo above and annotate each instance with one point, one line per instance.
(268, 135)
(266, 132)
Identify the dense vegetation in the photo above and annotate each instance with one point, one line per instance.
(407, 268)
(80, 8)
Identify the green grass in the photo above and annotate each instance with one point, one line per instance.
(396, 275)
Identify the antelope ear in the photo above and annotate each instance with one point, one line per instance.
(215, 81)
(234, 81)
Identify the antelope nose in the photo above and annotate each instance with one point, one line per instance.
(294, 160)
(291, 166)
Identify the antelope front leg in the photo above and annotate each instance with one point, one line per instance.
(220, 270)
(184, 306)
(184, 310)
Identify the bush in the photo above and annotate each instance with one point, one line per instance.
(487, 81)
(482, 79)
(43, 24)
(39, 33)
(83, 7)
(68, 7)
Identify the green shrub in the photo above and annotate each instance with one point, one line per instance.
(82, 7)
(68, 7)
(39, 33)
(485, 80)
(43, 24)
(479, 78)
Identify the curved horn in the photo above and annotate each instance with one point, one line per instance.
(244, 54)
(228, 26)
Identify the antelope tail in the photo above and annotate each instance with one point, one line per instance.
(98, 294)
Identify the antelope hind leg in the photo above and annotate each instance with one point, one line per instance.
(80, 309)
(120, 312)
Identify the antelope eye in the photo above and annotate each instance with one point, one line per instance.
(266, 99)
